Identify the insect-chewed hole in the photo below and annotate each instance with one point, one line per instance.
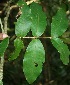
(36, 65)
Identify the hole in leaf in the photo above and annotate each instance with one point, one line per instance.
(36, 65)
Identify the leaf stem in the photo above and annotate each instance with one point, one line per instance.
(37, 37)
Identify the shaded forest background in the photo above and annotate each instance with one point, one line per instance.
(54, 72)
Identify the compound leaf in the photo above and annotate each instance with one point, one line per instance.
(33, 60)
(59, 23)
(38, 25)
(18, 46)
(62, 49)
(23, 23)
(3, 46)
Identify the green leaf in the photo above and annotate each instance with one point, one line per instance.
(18, 46)
(38, 20)
(3, 46)
(33, 60)
(59, 23)
(20, 3)
(23, 24)
(62, 49)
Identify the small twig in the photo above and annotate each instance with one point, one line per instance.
(6, 19)
(1, 59)
(13, 37)
(12, 7)
(29, 2)
(1, 26)
(7, 10)
(6, 5)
